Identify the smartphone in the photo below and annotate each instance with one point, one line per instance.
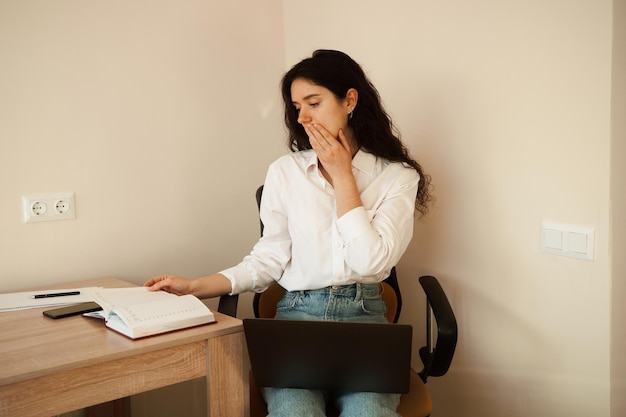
(72, 310)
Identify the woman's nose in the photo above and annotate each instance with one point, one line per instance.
(303, 117)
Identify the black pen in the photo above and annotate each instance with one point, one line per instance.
(57, 294)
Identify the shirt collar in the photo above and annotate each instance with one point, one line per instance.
(364, 162)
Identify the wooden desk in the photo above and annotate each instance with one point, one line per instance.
(48, 367)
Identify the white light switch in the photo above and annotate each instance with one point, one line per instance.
(553, 239)
(567, 240)
(577, 242)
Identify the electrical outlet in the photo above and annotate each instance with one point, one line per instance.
(49, 207)
(62, 207)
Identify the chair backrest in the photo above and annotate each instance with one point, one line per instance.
(264, 304)
(259, 196)
(437, 354)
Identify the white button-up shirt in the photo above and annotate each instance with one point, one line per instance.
(305, 246)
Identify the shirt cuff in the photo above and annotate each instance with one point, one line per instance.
(353, 223)
(240, 278)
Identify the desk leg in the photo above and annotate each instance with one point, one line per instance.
(225, 379)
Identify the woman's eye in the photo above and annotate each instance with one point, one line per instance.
(314, 104)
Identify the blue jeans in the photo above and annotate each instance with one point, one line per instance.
(357, 302)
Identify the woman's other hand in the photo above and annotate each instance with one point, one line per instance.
(170, 283)
(205, 287)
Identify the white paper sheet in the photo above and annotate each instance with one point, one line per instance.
(24, 300)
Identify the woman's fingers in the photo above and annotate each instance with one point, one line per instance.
(343, 139)
(167, 283)
(316, 137)
(320, 138)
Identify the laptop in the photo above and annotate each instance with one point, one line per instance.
(335, 356)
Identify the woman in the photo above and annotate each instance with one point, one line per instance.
(338, 215)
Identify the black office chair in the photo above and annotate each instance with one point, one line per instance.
(436, 356)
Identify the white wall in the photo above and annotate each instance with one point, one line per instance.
(507, 104)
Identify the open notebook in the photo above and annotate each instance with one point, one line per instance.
(329, 355)
(137, 312)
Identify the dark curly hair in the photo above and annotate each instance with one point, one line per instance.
(373, 128)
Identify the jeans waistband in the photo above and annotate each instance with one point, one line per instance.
(351, 290)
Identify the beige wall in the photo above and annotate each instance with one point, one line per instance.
(163, 116)
(507, 104)
(618, 213)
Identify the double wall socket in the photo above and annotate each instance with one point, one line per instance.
(49, 207)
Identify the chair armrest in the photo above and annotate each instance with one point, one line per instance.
(228, 305)
(437, 361)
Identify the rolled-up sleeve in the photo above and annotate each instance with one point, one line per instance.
(376, 236)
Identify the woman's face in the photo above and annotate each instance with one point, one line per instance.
(317, 104)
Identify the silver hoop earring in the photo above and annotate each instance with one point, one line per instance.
(350, 116)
